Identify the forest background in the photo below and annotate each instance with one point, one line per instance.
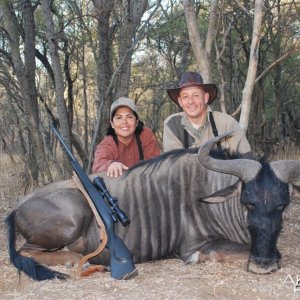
(74, 57)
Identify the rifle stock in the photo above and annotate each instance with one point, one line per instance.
(121, 262)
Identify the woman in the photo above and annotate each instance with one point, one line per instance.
(127, 140)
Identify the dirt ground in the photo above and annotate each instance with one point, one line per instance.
(165, 279)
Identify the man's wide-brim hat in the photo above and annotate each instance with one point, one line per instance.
(189, 79)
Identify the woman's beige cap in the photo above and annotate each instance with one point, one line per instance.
(121, 102)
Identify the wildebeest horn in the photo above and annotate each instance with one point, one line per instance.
(245, 169)
(287, 171)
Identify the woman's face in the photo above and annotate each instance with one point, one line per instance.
(124, 123)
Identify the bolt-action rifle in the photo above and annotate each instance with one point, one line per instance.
(121, 263)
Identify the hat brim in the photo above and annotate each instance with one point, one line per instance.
(123, 105)
(211, 89)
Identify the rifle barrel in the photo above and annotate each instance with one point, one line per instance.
(69, 152)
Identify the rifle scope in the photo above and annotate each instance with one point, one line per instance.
(117, 211)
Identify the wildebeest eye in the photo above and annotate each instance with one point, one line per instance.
(280, 207)
(250, 206)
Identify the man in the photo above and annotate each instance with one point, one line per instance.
(198, 123)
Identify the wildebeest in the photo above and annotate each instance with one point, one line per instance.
(183, 204)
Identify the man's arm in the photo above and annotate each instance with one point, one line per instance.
(238, 143)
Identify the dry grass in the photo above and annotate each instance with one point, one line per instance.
(286, 150)
(166, 279)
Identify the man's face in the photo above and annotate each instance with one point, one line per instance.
(193, 101)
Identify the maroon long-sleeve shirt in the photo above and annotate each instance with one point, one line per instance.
(107, 151)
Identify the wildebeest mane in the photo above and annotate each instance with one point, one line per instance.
(173, 155)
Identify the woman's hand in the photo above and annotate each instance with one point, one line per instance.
(115, 169)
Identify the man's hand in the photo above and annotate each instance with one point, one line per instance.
(115, 169)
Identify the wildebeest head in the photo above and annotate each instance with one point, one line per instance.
(265, 193)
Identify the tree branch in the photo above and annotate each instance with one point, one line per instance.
(276, 62)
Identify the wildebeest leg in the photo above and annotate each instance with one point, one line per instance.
(64, 256)
(220, 251)
(68, 256)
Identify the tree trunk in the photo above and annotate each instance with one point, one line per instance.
(58, 76)
(132, 18)
(202, 54)
(85, 102)
(103, 71)
(26, 77)
(253, 62)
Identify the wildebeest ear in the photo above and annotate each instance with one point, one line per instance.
(287, 171)
(226, 194)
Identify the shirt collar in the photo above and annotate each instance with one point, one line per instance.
(189, 127)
